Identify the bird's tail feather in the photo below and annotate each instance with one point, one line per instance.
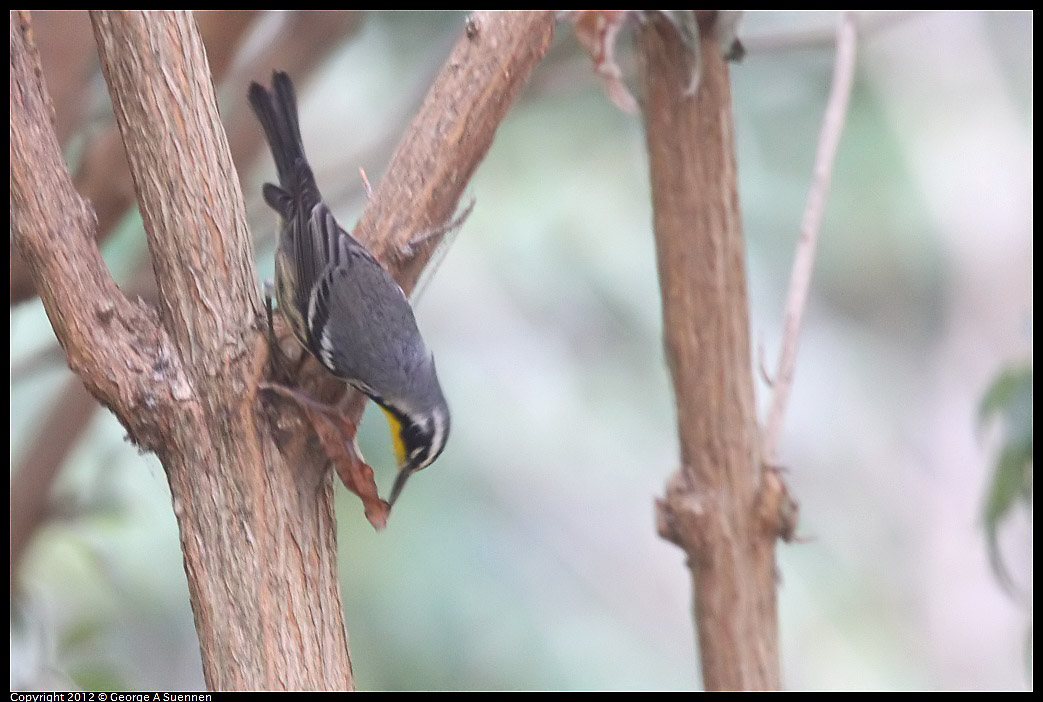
(277, 112)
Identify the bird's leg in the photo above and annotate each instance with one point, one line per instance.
(302, 398)
(275, 352)
(337, 434)
(274, 349)
(324, 417)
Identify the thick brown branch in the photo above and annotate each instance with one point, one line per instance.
(68, 55)
(53, 229)
(184, 177)
(451, 133)
(713, 504)
(104, 178)
(310, 35)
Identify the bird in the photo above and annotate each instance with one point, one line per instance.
(340, 302)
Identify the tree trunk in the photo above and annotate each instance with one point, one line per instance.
(719, 506)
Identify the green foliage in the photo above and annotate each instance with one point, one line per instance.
(1009, 399)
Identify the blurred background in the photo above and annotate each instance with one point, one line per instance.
(527, 558)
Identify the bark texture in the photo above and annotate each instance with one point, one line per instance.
(719, 507)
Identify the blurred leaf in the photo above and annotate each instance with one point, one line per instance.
(1010, 394)
(80, 635)
(1010, 398)
(97, 677)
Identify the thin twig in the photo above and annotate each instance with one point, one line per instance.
(811, 224)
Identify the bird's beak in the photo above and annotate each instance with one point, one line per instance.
(400, 482)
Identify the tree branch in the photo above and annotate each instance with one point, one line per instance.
(257, 534)
(451, 134)
(103, 176)
(810, 227)
(712, 507)
(53, 229)
(183, 173)
(66, 52)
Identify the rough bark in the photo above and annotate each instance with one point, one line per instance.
(451, 133)
(103, 176)
(720, 506)
(66, 52)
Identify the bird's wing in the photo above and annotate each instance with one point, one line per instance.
(366, 330)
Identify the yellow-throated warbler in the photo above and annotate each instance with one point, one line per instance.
(340, 302)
